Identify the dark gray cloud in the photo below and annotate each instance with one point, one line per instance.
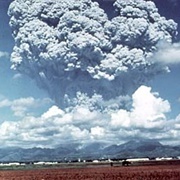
(72, 46)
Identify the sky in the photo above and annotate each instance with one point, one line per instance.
(50, 95)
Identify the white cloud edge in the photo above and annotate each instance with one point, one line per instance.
(23, 106)
(167, 53)
(56, 126)
(4, 54)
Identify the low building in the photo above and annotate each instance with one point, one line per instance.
(163, 158)
(137, 159)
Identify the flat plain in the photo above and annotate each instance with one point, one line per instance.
(96, 172)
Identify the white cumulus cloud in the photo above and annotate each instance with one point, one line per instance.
(4, 54)
(168, 53)
(147, 118)
(23, 106)
(148, 111)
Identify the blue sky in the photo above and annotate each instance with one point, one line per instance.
(28, 117)
(13, 86)
(164, 83)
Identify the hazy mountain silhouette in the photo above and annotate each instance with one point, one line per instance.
(133, 148)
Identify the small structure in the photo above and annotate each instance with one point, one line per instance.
(163, 158)
(137, 159)
(39, 163)
(126, 163)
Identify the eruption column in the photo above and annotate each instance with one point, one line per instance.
(76, 53)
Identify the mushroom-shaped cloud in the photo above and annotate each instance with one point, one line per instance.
(72, 48)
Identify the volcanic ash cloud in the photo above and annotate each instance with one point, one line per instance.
(77, 54)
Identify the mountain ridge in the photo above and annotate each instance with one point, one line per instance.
(130, 149)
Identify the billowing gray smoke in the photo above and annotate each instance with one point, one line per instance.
(70, 47)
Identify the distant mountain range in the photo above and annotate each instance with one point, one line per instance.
(131, 149)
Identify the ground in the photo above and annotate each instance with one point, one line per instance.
(166, 171)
